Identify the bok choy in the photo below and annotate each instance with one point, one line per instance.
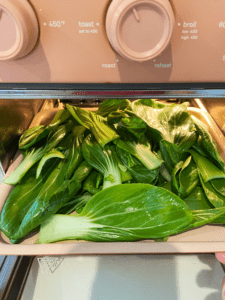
(132, 170)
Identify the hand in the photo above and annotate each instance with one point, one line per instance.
(221, 258)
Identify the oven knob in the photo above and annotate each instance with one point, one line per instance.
(18, 29)
(139, 30)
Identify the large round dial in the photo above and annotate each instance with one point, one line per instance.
(18, 29)
(139, 30)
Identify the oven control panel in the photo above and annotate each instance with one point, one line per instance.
(117, 41)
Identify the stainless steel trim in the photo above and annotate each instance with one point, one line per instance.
(98, 94)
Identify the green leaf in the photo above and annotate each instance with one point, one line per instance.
(219, 185)
(141, 152)
(143, 175)
(164, 172)
(132, 125)
(112, 105)
(137, 170)
(76, 204)
(91, 183)
(114, 117)
(32, 135)
(35, 199)
(175, 185)
(208, 143)
(197, 148)
(51, 154)
(60, 117)
(170, 154)
(197, 200)
(95, 123)
(213, 196)
(125, 212)
(35, 154)
(207, 169)
(203, 217)
(188, 178)
(103, 160)
(170, 122)
(167, 186)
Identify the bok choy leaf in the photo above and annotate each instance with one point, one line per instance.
(125, 212)
(103, 160)
(35, 154)
(142, 152)
(95, 123)
(170, 122)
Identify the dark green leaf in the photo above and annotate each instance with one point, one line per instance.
(132, 125)
(90, 184)
(76, 204)
(219, 185)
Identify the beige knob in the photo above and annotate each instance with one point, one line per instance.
(139, 30)
(18, 29)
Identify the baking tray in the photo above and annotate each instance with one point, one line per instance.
(125, 277)
(206, 239)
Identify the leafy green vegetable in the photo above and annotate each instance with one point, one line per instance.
(35, 199)
(35, 154)
(76, 204)
(203, 217)
(168, 122)
(188, 178)
(132, 125)
(60, 117)
(95, 123)
(219, 185)
(140, 151)
(51, 154)
(103, 160)
(175, 185)
(208, 143)
(125, 212)
(170, 154)
(213, 196)
(154, 148)
(164, 172)
(197, 200)
(112, 105)
(33, 135)
(137, 170)
(207, 169)
(91, 183)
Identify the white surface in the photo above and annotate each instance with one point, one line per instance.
(124, 277)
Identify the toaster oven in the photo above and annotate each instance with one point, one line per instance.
(142, 48)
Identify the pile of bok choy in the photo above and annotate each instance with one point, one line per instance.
(130, 171)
